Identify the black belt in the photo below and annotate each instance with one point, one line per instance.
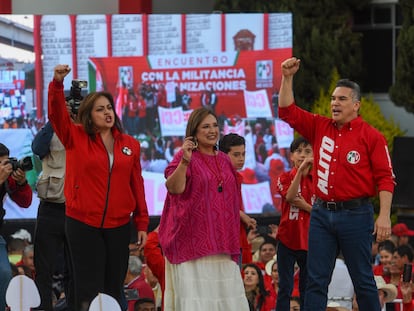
(342, 205)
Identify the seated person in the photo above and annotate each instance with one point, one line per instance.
(144, 304)
(135, 285)
(15, 249)
(26, 265)
(258, 297)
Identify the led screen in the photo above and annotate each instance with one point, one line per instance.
(159, 68)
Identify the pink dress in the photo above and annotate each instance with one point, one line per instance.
(202, 221)
(200, 238)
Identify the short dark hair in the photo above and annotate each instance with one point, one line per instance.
(356, 90)
(4, 150)
(386, 245)
(265, 242)
(295, 298)
(405, 250)
(297, 142)
(231, 140)
(141, 301)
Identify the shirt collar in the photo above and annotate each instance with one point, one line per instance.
(355, 123)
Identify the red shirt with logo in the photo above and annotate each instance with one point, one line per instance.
(349, 163)
(294, 222)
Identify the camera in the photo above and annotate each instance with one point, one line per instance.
(74, 99)
(24, 164)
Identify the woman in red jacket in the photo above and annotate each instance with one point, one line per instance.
(103, 187)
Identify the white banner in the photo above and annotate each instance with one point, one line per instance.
(255, 196)
(170, 89)
(237, 129)
(250, 160)
(284, 134)
(257, 104)
(180, 61)
(155, 192)
(173, 121)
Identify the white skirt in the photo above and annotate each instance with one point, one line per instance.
(211, 283)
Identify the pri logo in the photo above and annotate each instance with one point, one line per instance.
(264, 74)
(353, 157)
(126, 151)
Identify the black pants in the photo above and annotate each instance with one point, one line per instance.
(99, 262)
(50, 248)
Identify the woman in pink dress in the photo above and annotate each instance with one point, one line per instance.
(200, 224)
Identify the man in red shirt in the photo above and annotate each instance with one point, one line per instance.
(351, 164)
(135, 285)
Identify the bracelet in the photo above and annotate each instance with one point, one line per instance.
(185, 161)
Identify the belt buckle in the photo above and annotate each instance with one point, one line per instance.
(331, 206)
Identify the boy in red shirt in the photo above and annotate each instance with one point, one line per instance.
(297, 193)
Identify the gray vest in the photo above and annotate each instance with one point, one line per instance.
(51, 181)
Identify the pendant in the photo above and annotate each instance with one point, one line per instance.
(220, 187)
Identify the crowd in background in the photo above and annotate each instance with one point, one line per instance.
(145, 273)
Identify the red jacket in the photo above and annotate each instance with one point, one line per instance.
(21, 195)
(95, 194)
(269, 303)
(154, 258)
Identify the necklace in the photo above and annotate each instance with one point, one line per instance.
(218, 176)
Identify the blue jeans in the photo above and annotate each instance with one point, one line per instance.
(349, 231)
(5, 273)
(286, 259)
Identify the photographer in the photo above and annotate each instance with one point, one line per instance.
(14, 183)
(50, 245)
